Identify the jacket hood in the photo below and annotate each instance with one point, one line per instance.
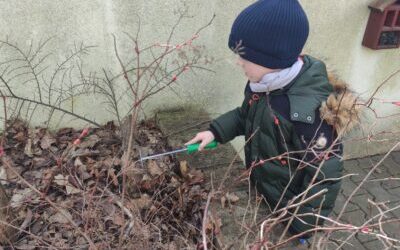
(316, 88)
(340, 109)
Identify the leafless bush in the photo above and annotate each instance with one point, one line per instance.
(146, 72)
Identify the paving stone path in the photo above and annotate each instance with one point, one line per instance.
(239, 220)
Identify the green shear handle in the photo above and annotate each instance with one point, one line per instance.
(195, 147)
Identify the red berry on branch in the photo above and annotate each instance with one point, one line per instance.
(77, 141)
(276, 121)
(396, 103)
(174, 78)
(84, 133)
(365, 230)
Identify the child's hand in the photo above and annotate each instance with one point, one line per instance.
(205, 137)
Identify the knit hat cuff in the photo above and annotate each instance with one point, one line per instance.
(261, 58)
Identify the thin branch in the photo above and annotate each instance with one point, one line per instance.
(56, 108)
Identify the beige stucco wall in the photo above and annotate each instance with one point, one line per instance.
(337, 28)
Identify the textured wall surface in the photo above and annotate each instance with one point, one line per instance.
(337, 29)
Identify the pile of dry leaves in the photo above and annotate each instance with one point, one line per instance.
(65, 191)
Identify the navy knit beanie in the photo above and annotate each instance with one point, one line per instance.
(270, 33)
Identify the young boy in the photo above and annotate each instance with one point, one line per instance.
(280, 115)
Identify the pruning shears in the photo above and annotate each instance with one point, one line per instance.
(189, 149)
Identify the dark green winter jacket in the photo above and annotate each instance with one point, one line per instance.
(274, 135)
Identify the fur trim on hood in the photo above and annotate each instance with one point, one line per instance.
(340, 109)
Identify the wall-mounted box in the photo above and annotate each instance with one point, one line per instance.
(383, 28)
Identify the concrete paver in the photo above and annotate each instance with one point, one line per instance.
(392, 164)
(396, 157)
(373, 245)
(341, 200)
(396, 210)
(353, 167)
(390, 184)
(395, 192)
(354, 217)
(348, 186)
(366, 163)
(340, 236)
(378, 193)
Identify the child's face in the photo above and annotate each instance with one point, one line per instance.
(253, 71)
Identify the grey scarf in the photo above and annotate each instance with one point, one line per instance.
(277, 80)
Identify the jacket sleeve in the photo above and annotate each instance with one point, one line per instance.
(229, 125)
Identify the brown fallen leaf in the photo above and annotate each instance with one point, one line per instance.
(144, 202)
(46, 141)
(64, 131)
(62, 217)
(28, 148)
(172, 246)
(146, 183)
(61, 180)
(89, 141)
(195, 177)
(20, 136)
(28, 218)
(20, 196)
(209, 225)
(83, 173)
(183, 168)
(39, 162)
(231, 197)
(174, 182)
(25, 246)
(213, 224)
(114, 178)
(180, 196)
(71, 189)
(118, 220)
(153, 168)
(223, 201)
(78, 162)
(217, 222)
(151, 137)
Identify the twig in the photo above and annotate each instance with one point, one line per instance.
(233, 161)
(204, 226)
(5, 163)
(369, 102)
(365, 179)
(125, 209)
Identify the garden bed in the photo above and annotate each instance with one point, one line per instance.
(66, 188)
